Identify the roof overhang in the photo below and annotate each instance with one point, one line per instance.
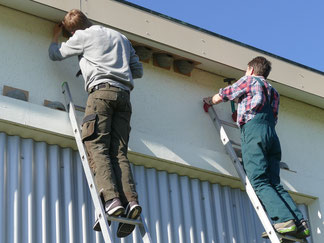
(214, 53)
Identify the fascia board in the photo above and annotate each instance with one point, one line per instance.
(53, 10)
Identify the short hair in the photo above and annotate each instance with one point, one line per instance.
(75, 20)
(261, 66)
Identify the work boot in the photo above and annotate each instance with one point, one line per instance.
(288, 227)
(114, 207)
(302, 230)
(133, 211)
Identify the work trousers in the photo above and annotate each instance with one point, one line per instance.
(105, 133)
(261, 157)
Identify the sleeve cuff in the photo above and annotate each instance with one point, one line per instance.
(221, 94)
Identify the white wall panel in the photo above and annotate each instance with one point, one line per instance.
(27, 189)
(12, 189)
(3, 148)
(44, 198)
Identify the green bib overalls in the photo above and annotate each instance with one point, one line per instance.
(261, 157)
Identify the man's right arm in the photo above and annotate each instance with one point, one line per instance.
(73, 47)
(235, 90)
(135, 65)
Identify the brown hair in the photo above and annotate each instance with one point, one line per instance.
(261, 66)
(75, 20)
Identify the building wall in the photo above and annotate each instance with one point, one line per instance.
(24, 59)
(44, 198)
(168, 120)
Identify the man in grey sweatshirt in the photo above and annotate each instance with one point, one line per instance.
(109, 64)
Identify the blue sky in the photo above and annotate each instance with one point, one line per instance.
(293, 29)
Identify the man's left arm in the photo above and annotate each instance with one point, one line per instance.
(275, 104)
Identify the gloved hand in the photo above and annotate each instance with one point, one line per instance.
(208, 100)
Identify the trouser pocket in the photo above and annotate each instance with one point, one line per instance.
(88, 127)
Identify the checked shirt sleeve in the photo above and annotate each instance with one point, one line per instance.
(275, 104)
(235, 90)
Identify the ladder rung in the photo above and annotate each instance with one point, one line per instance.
(230, 124)
(238, 152)
(291, 238)
(124, 220)
(284, 165)
(287, 237)
(79, 108)
(235, 143)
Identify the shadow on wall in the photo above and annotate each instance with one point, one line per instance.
(185, 152)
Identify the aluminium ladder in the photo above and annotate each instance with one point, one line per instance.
(233, 149)
(102, 216)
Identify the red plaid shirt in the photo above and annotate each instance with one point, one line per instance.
(251, 97)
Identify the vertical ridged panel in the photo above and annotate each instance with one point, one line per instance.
(197, 211)
(165, 206)
(54, 193)
(12, 189)
(40, 178)
(176, 209)
(154, 204)
(44, 197)
(26, 190)
(187, 209)
(208, 212)
(3, 159)
(80, 211)
(218, 215)
(67, 194)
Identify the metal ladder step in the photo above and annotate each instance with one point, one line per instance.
(288, 238)
(230, 124)
(124, 220)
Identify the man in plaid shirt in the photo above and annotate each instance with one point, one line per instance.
(257, 114)
(251, 97)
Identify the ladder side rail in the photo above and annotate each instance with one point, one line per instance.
(93, 190)
(144, 231)
(248, 187)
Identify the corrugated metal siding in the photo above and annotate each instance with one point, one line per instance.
(45, 198)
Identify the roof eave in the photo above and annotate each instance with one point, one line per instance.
(216, 54)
